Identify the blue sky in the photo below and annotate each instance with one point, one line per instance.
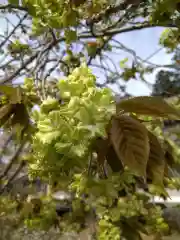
(144, 43)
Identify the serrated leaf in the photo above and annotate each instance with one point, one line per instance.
(145, 105)
(83, 115)
(49, 104)
(131, 144)
(48, 137)
(79, 150)
(62, 147)
(156, 162)
(91, 130)
(44, 126)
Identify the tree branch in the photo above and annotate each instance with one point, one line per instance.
(14, 175)
(13, 31)
(12, 161)
(4, 146)
(12, 6)
(135, 28)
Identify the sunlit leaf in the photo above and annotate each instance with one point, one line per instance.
(123, 63)
(63, 147)
(153, 106)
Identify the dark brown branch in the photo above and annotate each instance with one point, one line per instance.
(135, 28)
(13, 160)
(15, 74)
(15, 174)
(27, 62)
(13, 31)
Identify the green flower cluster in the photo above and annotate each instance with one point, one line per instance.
(65, 130)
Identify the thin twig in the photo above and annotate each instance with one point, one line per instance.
(15, 174)
(13, 159)
(12, 6)
(3, 148)
(13, 31)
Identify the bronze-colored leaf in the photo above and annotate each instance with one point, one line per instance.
(169, 154)
(5, 113)
(100, 146)
(156, 162)
(113, 160)
(7, 89)
(130, 141)
(20, 116)
(172, 164)
(166, 170)
(155, 236)
(145, 105)
(16, 97)
(77, 3)
(131, 230)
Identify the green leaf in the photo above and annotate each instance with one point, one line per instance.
(91, 49)
(74, 102)
(158, 190)
(83, 116)
(49, 104)
(14, 2)
(115, 215)
(63, 147)
(153, 106)
(70, 36)
(48, 137)
(129, 73)
(69, 18)
(14, 94)
(103, 223)
(123, 63)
